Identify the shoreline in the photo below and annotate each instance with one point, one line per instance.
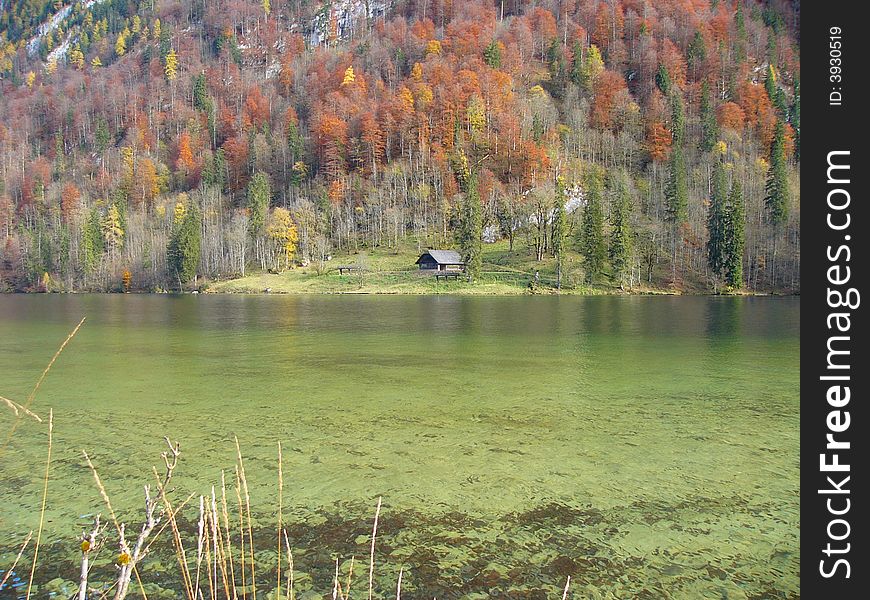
(454, 293)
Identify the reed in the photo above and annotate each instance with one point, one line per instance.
(26, 407)
(280, 514)
(18, 409)
(244, 481)
(229, 540)
(15, 562)
(372, 554)
(214, 575)
(42, 508)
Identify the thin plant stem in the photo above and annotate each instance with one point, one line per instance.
(17, 558)
(226, 519)
(244, 480)
(241, 534)
(35, 389)
(290, 594)
(280, 512)
(44, 498)
(372, 555)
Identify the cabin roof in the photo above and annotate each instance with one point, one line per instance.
(443, 257)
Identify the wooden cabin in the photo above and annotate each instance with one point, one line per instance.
(441, 260)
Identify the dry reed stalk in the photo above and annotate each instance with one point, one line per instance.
(349, 576)
(208, 558)
(343, 593)
(32, 394)
(17, 558)
(17, 409)
(128, 558)
(103, 492)
(248, 512)
(290, 593)
(219, 550)
(335, 583)
(199, 541)
(280, 512)
(241, 534)
(567, 585)
(226, 519)
(372, 555)
(180, 553)
(44, 498)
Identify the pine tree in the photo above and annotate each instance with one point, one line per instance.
(696, 53)
(200, 93)
(259, 197)
(620, 231)
(577, 63)
(93, 244)
(709, 125)
(717, 221)
(183, 251)
(777, 189)
(492, 55)
(678, 118)
(559, 229)
(677, 188)
(592, 230)
(556, 63)
(663, 80)
(735, 238)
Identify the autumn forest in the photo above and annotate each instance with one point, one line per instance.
(158, 144)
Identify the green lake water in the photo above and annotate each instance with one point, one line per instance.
(645, 446)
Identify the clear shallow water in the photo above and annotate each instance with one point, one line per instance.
(637, 444)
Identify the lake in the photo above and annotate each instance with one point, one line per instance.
(637, 444)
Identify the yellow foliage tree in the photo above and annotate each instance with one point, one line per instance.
(113, 231)
(180, 209)
(171, 69)
(155, 31)
(96, 62)
(433, 47)
(282, 231)
(121, 45)
(31, 77)
(77, 58)
(349, 76)
(476, 113)
(417, 72)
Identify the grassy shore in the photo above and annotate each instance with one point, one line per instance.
(391, 271)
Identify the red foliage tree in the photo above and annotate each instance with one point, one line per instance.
(607, 88)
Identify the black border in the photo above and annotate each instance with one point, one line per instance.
(826, 128)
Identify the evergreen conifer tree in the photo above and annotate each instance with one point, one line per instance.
(716, 221)
(620, 231)
(592, 230)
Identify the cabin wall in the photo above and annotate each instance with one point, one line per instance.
(428, 264)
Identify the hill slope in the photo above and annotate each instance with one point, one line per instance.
(281, 131)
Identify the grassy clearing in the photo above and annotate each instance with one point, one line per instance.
(388, 271)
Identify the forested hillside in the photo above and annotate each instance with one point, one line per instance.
(144, 145)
